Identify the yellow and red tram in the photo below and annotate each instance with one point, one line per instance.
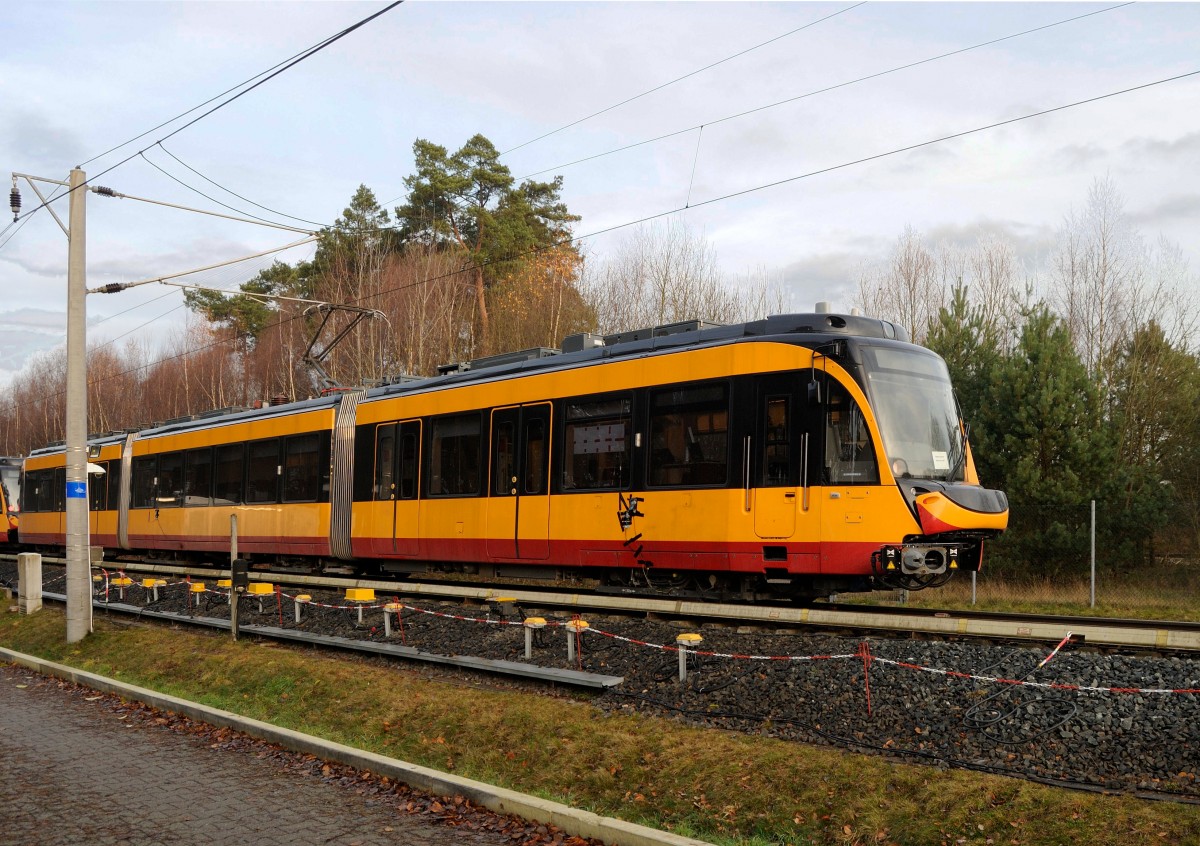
(10, 496)
(793, 456)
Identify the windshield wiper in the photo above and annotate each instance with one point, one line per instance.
(961, 452)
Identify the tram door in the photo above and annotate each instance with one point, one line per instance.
(97, 496)
(397, 463)
(518, 509)
(779, 454)
(775, 450)
(850, 470)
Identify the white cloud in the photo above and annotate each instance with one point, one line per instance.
(304, 141)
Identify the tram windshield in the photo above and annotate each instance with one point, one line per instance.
(917, 415)
(10, 477)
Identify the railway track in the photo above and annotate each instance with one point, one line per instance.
(1109, 633)
(1112, 719)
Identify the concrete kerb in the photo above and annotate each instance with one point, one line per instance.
(498, 799)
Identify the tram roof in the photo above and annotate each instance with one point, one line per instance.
(809, 329)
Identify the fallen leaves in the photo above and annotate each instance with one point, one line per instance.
(454, 811)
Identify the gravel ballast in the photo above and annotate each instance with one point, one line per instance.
(869, 696)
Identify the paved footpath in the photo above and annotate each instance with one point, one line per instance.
(72, 771)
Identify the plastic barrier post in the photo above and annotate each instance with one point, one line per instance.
(389, 609)
(574, 628)
(532, 624)
(301, 599)
(683, 642)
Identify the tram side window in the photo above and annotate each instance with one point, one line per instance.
(262, 471)
(59, 489)
(849, 453)
(46, 490)
(37, 490)
(170, 480)
(98, 488)
(228, 469)
(385, 462)
(113, 500)
(141, 481)
(535, 456)
(777, 452)
(301, 468)
(197, 477)
(597, 443)
(410, 443)
(689, 436)
(29, 491)
(49, 500)
(504, 459)
(455, 458)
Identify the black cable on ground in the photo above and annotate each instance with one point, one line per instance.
(985, 716)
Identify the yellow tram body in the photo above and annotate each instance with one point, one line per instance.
(740, 461)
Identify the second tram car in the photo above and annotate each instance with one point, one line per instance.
(793, 456)
(10, 496)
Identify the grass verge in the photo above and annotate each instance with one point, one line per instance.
(1153, 600)
(719, 786)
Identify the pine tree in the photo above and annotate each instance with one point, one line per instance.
(469, 201)
(971, 347)
(1050, 445)
(1156, 409)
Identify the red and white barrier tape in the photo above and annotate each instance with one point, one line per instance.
(737, 656)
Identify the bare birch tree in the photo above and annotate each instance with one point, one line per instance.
(664, 273)
(1099, 279)
(909, 288)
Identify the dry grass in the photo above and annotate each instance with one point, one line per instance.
(1149, 597)
(720, 786)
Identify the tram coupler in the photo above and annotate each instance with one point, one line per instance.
(914, 560)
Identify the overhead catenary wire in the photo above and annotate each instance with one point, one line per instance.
(212, 199)
(95, 382)
(681, 78)
(113, 288)
(173, 309)
(111, 341)
(225, 270)
(809, 174)
(667, 85)
(295, 59)
(202, 105)
(312, 51)
(19, 226)
(659, 215)
(234, 193)
(825, 90)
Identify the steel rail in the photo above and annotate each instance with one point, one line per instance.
(1152, 635)
(553, 675)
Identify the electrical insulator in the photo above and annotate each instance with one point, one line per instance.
(14, 201)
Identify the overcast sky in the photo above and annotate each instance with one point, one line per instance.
(79, 78)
